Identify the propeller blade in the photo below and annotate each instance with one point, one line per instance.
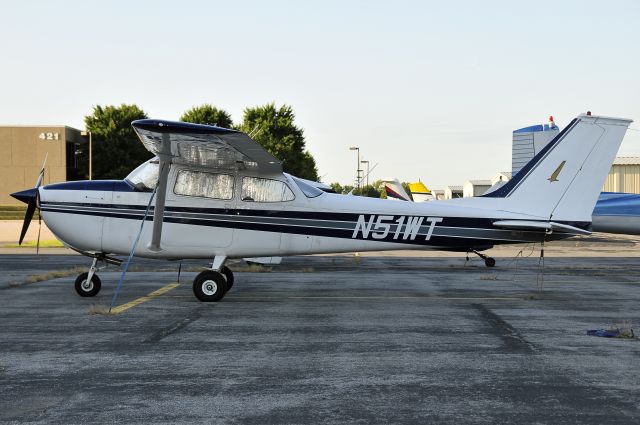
(31, 197)
(41, 175)
(31, 208)
(39, 229)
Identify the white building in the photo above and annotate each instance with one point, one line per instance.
(438, 193)
(502, 176)
(475, 188)
(451, 192)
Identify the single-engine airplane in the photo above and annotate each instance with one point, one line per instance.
(214, 193)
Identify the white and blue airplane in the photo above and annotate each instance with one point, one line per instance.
(214, 193)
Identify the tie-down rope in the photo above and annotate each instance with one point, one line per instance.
(133, 248)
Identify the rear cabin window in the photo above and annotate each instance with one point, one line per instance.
(204, 185)
(265, 190)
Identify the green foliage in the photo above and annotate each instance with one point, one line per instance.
(116, 147)
(117, 150)
(367, 190)
(208, 114)
(347, 189)
(337, 187)
(275, 130)
(374, 190)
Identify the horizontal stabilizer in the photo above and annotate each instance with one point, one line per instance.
(539, 225)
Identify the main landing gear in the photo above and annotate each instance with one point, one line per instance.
(212, 285)
(488, 261)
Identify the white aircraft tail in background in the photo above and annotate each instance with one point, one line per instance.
(395, 191)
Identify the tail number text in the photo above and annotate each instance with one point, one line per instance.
(402, 228)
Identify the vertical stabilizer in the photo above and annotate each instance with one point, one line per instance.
(562, 182)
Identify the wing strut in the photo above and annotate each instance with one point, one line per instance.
(158, 212)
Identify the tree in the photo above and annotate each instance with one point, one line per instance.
(275, 130)
(373, 190)
(337, 187)
(208, 114)
(116, 147)
(367, 190)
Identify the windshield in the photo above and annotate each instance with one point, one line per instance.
(145, 177)
(309, 190)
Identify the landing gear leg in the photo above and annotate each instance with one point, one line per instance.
(488, 261)
(88, 284)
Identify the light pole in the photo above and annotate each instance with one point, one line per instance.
(84, 134)
(366, 162)
(355, 148)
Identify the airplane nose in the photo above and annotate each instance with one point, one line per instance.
(26, 195)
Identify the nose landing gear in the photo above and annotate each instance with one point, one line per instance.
(88, 284)
(88, 287)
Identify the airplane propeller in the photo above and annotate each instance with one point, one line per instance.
(31, 197)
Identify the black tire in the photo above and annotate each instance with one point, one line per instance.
(209, 286)
(489, 262)
(228, 274)
(88, 289)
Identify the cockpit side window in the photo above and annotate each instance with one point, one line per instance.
(145, 177)
(255, 189)
(204, 185)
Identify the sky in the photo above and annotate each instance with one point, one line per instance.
(426, 90)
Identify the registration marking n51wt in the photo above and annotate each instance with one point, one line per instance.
(407, 227)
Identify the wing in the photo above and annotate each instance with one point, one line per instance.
(204, 146)
(197, 145)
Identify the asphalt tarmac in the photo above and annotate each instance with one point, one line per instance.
(327, 339)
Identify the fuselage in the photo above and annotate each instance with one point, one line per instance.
(106, 217)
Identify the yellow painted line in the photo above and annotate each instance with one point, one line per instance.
(124, 307)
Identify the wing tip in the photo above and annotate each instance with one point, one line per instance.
(164, 126)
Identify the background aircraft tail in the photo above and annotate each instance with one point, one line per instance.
(420, 193)
(563, 181)
(394, 190)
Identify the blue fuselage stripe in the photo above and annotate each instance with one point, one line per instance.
(452, 232)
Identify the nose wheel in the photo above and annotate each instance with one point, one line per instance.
(88, 284)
